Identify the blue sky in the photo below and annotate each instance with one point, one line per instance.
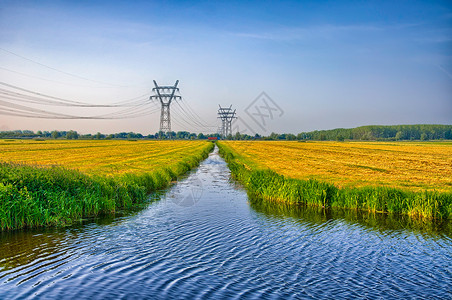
(326, 64)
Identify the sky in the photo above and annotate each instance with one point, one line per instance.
(284, 66)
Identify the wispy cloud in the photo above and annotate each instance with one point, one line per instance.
(445, 71)
(320, 31)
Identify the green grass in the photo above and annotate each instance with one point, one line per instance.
(268, 185)
(32, 196)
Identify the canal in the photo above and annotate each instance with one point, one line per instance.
(203, 238)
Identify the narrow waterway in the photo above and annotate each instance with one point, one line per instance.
(205, 239)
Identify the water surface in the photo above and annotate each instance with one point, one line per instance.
(205, 239)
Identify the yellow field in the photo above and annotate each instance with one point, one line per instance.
(103, 157)
(409, 165)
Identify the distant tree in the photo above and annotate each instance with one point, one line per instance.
(121, 135)
(171, 135)
(72, 135)
(99, 136)
(399, 135)
(273, 136)
(237, 136)
(201, 136)
(367, 136)
(55, 134)
(182, 135)
(424, 137)
(291, 137)
(340, 138)
(109, 137)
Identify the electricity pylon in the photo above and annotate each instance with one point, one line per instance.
(226, 114)
(165, 94)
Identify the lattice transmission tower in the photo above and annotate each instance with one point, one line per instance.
(165, 94)
(226, 114)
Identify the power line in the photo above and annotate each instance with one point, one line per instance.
(65, 102)
(57, 70)
(54, 81)
(187, 123)
(193, 112)
(8, 108)
(52, 115)
(190, 121)
(189, 116)
(22, 102)
(20, 97)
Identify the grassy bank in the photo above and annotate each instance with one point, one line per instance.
(264, 183)
(35, 195)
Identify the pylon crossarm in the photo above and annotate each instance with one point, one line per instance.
(165, 88)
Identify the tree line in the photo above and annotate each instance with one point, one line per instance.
(363, 133)
(74, 135)
(382, 133)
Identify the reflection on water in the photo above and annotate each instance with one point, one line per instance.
(373, 221)
(23, 246)
(203, 238)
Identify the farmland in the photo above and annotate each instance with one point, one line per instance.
(47, 183)
(99, 157)
(416, 166)
(366, 175)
